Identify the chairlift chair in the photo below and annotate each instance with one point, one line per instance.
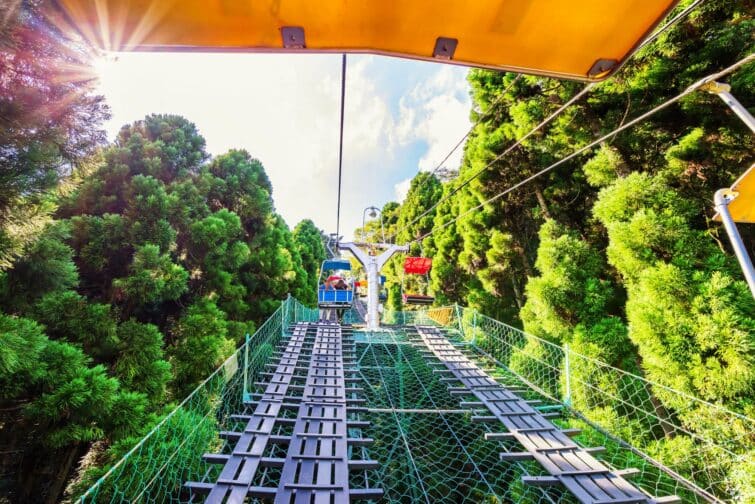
(330, 297)
(417, 266)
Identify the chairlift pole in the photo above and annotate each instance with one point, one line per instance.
(723, 91)
(723, 197)
(372, 265)
(721, 200)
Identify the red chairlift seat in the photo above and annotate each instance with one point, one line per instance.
(417, 266)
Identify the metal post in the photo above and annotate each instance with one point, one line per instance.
(246, 397)
(721, 200)
(723, 196)
(459, 320)
(284, 310)
(722, 90)
(373, 280)
(567, 371)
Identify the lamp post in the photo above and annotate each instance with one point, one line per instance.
(373, 212)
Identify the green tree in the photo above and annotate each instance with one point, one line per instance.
(690, 319)
(219, 252)
(200, 345)
(141, 365)
(153, 278)
(46, 266)
(68, 316)
(67, 400)
(308, 240)
(51, 121)
(239, 183)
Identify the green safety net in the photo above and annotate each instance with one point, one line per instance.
(428, 448)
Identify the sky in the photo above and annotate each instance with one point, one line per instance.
(401, 117)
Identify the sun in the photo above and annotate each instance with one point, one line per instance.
(105, 67)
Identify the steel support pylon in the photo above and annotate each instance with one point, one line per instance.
(373, 263)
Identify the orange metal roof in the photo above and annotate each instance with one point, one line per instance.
(742, 207)
(560, 38)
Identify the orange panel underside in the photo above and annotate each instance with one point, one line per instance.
(551, 37)
(742, 208)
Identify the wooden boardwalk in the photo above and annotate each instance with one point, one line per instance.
(314, 377)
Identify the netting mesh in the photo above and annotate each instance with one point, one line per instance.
(675, 440)
(429, 448)
(171, 454)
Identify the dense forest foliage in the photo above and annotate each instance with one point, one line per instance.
(615, 252)
(128, 271)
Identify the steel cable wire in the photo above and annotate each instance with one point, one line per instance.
(691, 89)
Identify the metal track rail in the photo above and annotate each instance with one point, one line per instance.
(568, 464)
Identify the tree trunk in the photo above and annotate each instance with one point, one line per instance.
(525, 262)
(663, 416)
(543, 204)
(660, 410)
(517, 294)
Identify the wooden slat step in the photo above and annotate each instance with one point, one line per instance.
(556, 449)
(216, 458)
(667, 499)
(199, 488)
(357, 424)
(540, 480)
(484, 419)
(628, 473)
(516, 456)
(472, 404)
(360, 465)
(374, 494)
(456, 391)
(262, 492)
(628, 500)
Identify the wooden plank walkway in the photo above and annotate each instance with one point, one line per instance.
(317, 463)
(568, 464)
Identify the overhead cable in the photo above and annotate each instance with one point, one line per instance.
(650, 39)
(340, 149)
(691, 89)
(476, 174)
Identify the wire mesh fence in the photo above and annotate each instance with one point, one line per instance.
(428, 447)
(155, 469)
(676, 440)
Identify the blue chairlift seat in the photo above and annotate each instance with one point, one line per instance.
(334, 298)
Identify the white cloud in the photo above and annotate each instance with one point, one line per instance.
(284, 109)
(402, 189)
(437, 112)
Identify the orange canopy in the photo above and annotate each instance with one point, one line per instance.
(742, 207)
(579, 39)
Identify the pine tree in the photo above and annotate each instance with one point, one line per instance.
(51, 121)
(308, 240)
